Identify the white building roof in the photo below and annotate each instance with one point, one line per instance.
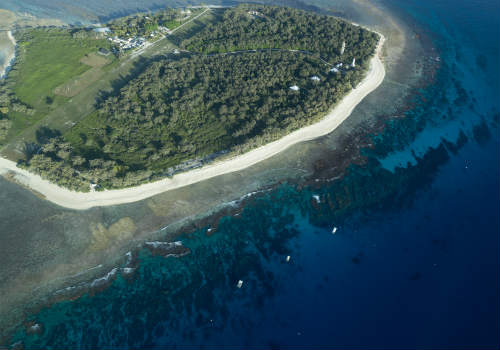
(102, 30)
(315, 78)
(294, 88)
(334, 70)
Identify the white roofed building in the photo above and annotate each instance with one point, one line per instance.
(102, 30)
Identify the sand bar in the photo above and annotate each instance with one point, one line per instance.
(79, 200)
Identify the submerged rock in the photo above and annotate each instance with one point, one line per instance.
(167, 249)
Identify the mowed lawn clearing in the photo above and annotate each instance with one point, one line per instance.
(47, 59)
(77, 84)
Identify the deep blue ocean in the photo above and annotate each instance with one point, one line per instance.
(414, 263)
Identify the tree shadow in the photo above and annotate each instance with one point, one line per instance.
(44, 134)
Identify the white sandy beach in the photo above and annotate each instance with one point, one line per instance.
(330, 122)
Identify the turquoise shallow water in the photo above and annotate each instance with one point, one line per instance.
(414, 261)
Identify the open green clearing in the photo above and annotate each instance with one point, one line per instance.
(46, 59)
(183, 108)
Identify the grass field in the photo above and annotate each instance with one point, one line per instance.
(95, 60)
(77, 84)
(51, 67)
(47, 59)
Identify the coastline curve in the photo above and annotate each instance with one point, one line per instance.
(81, 201)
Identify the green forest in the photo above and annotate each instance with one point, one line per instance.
(255, 27)
(144, 24)
(189, 107)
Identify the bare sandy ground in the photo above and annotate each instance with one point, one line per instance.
(78, 200)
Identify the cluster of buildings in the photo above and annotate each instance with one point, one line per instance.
(337, 68)
(129, 43)
(255, 13)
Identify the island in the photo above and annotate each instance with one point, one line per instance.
(219, 90)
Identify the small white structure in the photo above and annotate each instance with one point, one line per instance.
(294, 88)
(176, 51)
(102, 30)
(316, 197)
(334, 70)
(287, 258)
(343, 48)
(93, 187)
(315, 78)
(334, 230)
(240, 283)
(164, 29)
(338, 65)
(353, 64)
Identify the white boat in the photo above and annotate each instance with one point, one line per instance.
(287, 258)
(334, 230)
(240, 283)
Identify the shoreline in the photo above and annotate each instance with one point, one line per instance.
(11, 58)
(81, 201)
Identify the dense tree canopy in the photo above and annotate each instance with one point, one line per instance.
(252, 27)
(188, 107)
